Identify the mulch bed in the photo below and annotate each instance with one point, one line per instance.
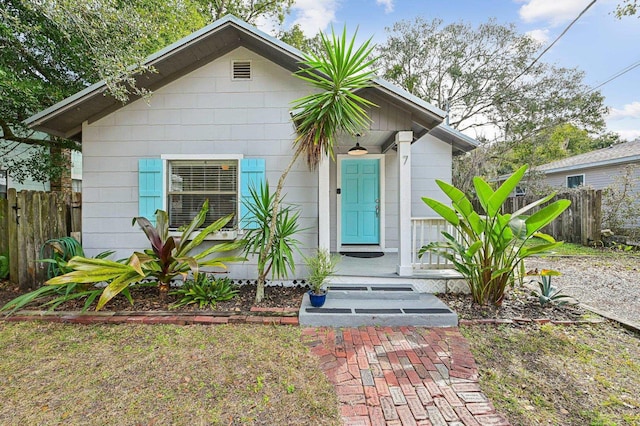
(146, 299)
(519, 306)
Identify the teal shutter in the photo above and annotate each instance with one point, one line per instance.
(149, 187)
(252, 173)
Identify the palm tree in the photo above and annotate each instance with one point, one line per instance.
(336, 73)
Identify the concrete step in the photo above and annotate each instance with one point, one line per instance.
(443, 281)
(381, 305)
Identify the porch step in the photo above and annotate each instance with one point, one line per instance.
(366, 304)
(440, 281)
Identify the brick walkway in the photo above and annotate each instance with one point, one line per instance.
(403, 376)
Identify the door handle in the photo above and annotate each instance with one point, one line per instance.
(377, 207)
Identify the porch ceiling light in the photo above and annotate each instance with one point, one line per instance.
(358, 150)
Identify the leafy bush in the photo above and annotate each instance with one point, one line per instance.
(489, 246)
(4, 266)
(204, 291)
(62, 251)
(56, 295)
(621, 203)
(547, 293)
(167, 259)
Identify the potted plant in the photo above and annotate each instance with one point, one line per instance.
(319, 267)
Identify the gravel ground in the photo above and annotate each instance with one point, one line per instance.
(610, 284)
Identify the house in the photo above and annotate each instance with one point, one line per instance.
(23, 151)
(218, 119)
(596, 169)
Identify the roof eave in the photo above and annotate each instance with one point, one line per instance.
(457, 139)
(423, 113)
(590, 165)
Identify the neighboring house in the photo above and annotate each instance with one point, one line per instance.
(596, 169)
(24, 151)
(218, 120)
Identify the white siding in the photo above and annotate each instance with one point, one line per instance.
(204, 112)
(430, 160)
(596, 177)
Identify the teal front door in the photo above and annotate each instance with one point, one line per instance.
(360, 212)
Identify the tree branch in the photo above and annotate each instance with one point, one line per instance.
(9, 135)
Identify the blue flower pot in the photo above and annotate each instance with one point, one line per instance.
(317, 300)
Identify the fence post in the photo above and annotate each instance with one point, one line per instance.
(13, 218)
(4, 226)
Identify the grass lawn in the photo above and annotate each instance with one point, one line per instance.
(553, 375)
(178, 375)
(569, 249)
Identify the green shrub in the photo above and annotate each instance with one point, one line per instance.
(204, 291)
(167, 258)
(489, 246)
(62, 249)
(4, 266)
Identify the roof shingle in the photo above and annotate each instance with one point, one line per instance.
(615, 153)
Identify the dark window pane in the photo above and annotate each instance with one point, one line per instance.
(575, 181)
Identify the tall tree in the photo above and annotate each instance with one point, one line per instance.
(247, 10)
(484, 76)
(488, 79)
(627, 8)
(52, 49)
(295, 37)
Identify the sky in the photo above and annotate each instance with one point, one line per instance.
(599, 44)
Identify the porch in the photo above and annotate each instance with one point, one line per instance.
(429, 274)
(374, 202)
(367, 290)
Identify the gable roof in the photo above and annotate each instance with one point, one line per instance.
(457, 139)
(615, 154)
(216, 39)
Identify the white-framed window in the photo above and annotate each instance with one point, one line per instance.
(191, 180)
(575, 181)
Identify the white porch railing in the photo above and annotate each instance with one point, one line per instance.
(425, 230)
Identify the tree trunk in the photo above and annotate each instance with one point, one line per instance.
(262, 275)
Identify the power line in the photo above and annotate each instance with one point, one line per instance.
(552, 44)
(616, 75)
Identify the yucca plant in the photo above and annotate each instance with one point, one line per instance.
(336, 73)
(279, 259)
(167, 259)
(490, 246)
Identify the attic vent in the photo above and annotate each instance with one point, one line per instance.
(241, 70)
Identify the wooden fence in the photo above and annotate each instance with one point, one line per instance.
(27, 220)
(579, 224)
